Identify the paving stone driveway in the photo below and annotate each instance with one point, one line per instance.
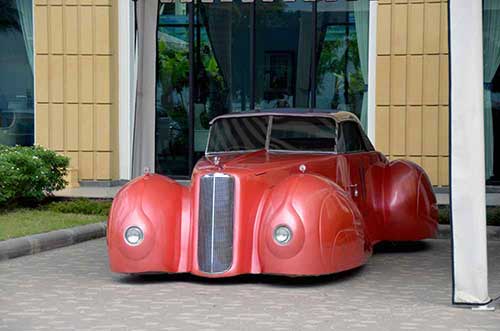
(406, 287)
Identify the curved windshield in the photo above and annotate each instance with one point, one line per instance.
(288, 133)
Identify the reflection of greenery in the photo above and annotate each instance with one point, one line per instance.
(212, 88)
(173, 69)
(173, 73)
(333, 59)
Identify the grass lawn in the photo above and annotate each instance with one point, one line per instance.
(23, 222)
(52, 215)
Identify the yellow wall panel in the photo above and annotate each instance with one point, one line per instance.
(398, 80)
(415, 28)
(103, 2)
(444, 78)
(432, 28)
(86, 127)
(399, 29)
(86, 79)
(384, 29)
(56, 29)
(415, 159)
(430, 165)
(430, 126)
(42, 78)
(103, 127)
(41, 27)
(86, 30)
(75, 70)
(397, 129)
(443, 137)
(431, 79)
(382, 133)
(73, 159)
(414, 131)
(42, 125)
(103, 171)
(102, 24)
(383, 80)
(71, 127)
(70, 30)
(412, 83)
(86, 165)
(102, 81)
(444, 27)
(56, 132)
(56, 78)
(414, 79)
(71, 78)
(444, 171)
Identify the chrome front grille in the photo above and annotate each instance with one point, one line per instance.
(215, 223)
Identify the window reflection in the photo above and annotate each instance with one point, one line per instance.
(340, 78)
(16, 60)
(281, 59)
(283, 52)
(172, 90)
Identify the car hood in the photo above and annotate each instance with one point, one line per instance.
(258, 162)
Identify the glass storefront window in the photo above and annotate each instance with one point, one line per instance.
(342, 32)
(16, 60)
(274, 43)
(221, 61)
(491, 60)
(172, 90)
(283, 54)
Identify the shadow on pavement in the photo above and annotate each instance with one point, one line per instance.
(274, 280)
(388, 247)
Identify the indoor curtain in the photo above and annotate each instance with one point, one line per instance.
(491, 56)
(361, 19)
(143, 145)
(25, 12)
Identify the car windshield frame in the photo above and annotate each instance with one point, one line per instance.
(270, 119)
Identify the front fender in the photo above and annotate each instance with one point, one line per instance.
(327, 229)
(154, 204)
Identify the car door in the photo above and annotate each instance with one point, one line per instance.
(360, 155)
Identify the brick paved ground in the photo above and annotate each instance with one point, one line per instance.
(401, 288)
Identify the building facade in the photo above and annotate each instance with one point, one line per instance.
(386, 61)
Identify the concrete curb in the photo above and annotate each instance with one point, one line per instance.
(37, 243)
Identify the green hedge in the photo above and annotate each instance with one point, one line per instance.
(28, 174)
(81, 206)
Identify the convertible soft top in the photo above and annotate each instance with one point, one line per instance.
(338, 116)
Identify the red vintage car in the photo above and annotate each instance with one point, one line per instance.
(284, 192)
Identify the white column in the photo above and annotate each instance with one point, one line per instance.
(470, 270)
(126, 93)
(372, 70)
(143, 142)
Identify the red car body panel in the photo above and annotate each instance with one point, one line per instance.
(337, 208)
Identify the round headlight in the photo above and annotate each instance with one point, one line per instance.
(282, 234)
(134, 235)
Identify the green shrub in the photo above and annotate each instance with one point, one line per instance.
(492, 215)
(28, 174)
(81, 206)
